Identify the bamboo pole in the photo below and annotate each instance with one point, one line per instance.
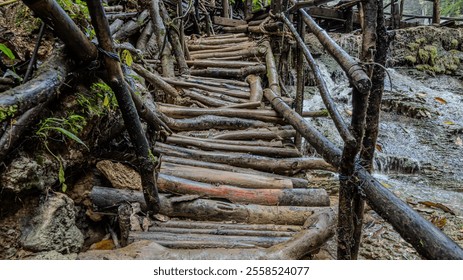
(229, 73)
(264, 134)
(234, 93)
(220, 63)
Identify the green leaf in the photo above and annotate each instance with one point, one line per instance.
(61, 177)
(69, 134)
(106, 101)
(127, 57)
(64, 187)
(7, 51)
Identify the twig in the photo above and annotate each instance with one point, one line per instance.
(34, 54)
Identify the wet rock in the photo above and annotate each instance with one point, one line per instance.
(120, 175)
(53, 228)
(52, 255)
(26, 173)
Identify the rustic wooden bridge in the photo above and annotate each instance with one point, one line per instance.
(230, 156)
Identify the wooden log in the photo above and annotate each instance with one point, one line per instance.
(227, 21)
(279, 166)
(237, 55)
(198, 49)
(305, 4)
(106, 199)
(179, 112)
(115, 79)
(227, 226)
(211, 146)
(206, 122)
(235, 93)
(203, 245)
(175, 240)
(44, 86)
(225, 9)
(256, 88)
(122, 16)
(319, 228)
(264, 134)
(246, 105)
(300, 79)
(258, 143)
(131, 27)
(324, 91)
(174, 39)
(115, 26)
(229, 73)
(198, 229)
(232, 101)
(297, 182)
(221, 41)
(220, 63)
(162, 40)
(205, 175)
(321, 144)
(156, 80)
(284, 197)
(435, 12)
(54, 16)
(315, 114)
(353, 70)
(272, 73)
(15, 132)
(221, 83)
(144, 37)
(204, 99)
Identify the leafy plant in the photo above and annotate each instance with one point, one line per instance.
(5, 50)
(68, 128)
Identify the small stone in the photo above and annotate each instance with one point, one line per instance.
(120, 175)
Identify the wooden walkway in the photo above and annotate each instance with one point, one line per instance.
(231, 145)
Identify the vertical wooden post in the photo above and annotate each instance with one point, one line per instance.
(349, 196)
(115, 79)
(349, 16)
(181, 24)
(299, 77)
(247, 9)
(436, 12)
(225, 9)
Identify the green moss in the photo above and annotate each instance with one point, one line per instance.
(420, 41)
(413, 46)
(454, 44)
(410, 59)
(7, 112)
(432, 51)
(423, 55)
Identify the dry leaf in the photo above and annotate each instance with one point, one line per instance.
(440, 100)
(107, 244)
(379, 148)
(439, 222)
(349, 112)
(437, 205)
(449, 123)
(458, 141)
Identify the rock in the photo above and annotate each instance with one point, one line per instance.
(120, 175)
(26, 173)
(53, 228)
(52, 255)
